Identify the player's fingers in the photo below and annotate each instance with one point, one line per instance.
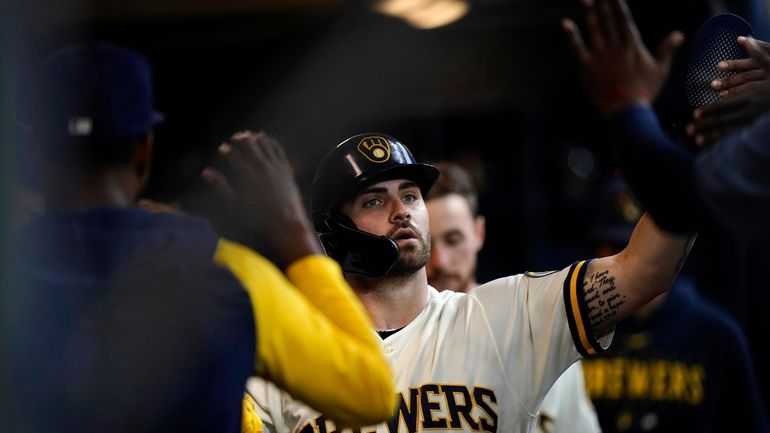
(595, 35)
(720, 107)
(738, 65)
(703, 140)
(744, 41)
(666, 48)
(270, 146)
(238, 169)
(216, 179)
(278, 151)
(621, 22)
(576, 40)
(712, 124)
(728, 83)
(758, 53)
(629, 25)
(251, 147)
(607, 23)
(741, 90)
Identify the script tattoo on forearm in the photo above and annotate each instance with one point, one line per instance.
(602, 299)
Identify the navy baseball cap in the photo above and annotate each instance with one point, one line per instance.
(616, 215)
(94, 90)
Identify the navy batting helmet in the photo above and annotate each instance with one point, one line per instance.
(355, 163)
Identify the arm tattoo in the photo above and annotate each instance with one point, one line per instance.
(602, 299)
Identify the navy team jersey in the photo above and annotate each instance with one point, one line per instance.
(119, 321)
(684, 369)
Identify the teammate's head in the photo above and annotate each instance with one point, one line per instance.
(93, 111)
(456, 228)
(367, 206)
(615, 219)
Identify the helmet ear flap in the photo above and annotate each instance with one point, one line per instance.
(358, 252)
(334, 220)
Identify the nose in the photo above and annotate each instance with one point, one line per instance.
(399, 212)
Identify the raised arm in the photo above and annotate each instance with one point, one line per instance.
(622, 78)
(615, 286)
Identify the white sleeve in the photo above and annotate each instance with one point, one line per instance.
(267, 398)
(566, 407)
(537, 321)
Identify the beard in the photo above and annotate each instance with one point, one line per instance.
(412, 258)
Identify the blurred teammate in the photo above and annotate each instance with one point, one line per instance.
(123, 320)
(477, 362)
(679, 363)
(457, 234)
(683, 190)
(731, 179)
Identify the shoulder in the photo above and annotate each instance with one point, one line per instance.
(704, 317)
(529, 280)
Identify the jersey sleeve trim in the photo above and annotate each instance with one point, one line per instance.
(577, 311)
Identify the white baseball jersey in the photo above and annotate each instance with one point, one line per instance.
(566, 408)
(476, 362)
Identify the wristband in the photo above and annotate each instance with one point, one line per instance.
(621, 96)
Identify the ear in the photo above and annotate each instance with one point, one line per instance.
(480, 226)
(141, 161)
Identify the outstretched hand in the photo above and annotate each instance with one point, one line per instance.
(744, 96)
(618, 70)
(749, 73)
(256, 185)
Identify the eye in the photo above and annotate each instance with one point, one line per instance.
(454, 238)
(409, 197)
(372, 202)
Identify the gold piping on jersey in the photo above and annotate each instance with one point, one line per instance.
(577, 311)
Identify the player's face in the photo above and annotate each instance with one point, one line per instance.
(456, 238)
(395, 208)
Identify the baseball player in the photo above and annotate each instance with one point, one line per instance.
(124, 320)
(457, 234)
(472, 362)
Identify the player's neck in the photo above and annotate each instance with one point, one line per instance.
(392, 302)
(93, 189)
(470, 285)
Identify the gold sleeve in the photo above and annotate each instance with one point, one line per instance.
(250, 422)
(314, 339)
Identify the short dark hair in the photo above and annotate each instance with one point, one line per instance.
(454, 179)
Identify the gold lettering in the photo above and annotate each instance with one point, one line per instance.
(658, 380)
(676, 381)
(615, 379)
(595, 377)
(695, 384)
(638, 377)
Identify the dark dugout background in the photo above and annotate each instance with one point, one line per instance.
(498, 91)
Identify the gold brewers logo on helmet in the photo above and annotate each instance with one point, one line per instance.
(375, 148)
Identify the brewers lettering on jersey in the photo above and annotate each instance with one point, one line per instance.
(457, 364)
(473, 362)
